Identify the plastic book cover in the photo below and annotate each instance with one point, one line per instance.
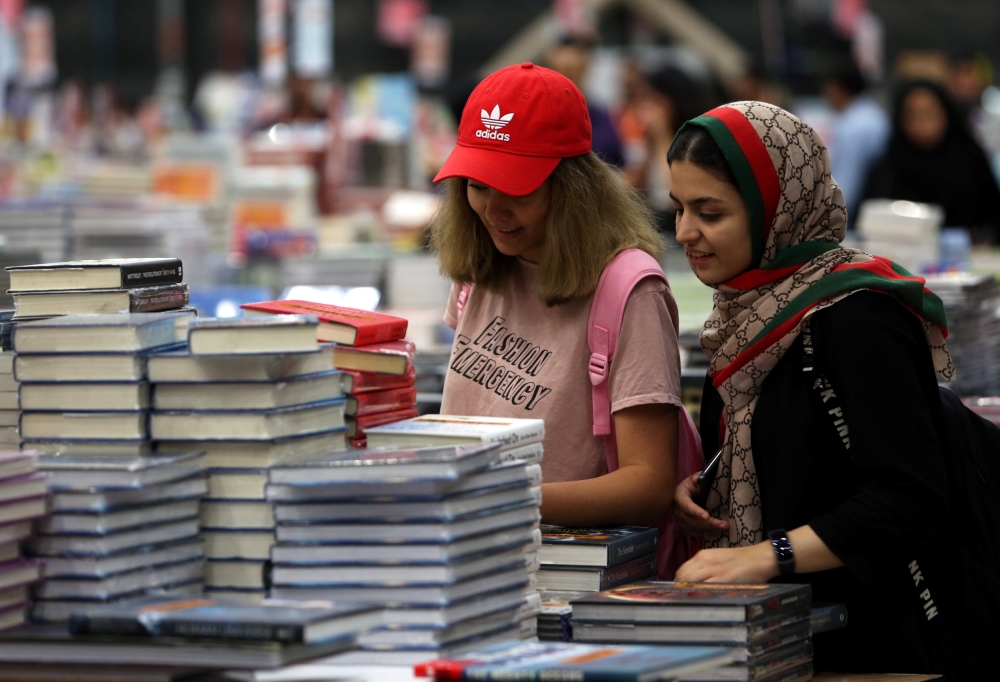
(506, 431)
(363, 327)
(656, 593)
(250, 324)
(359, 424)
(383, 457)
(73, 462)
(571, 661)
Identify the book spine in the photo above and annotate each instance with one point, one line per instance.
(627, 549)
(518, 435)
(156, 299)
(628, 573)
(82, 624)
(356, 381)
(377, 332)
(256, 632)
(168, 271)
(827, 617)
(373, 420)
(778, 605)
(385, 401)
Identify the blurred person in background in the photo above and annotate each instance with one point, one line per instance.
(933, 158)
(571, 58)
(860, 132)
(668, 98)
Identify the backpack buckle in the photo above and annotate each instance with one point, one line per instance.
(598, 368)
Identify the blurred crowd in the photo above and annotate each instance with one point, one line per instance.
(924, 137)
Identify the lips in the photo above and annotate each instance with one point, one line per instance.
(505, 235)
(698, 257)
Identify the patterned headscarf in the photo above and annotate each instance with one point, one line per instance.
(797, 220)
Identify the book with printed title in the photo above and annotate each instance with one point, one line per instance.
(595, 546)
(111, 273)
(348, 326)
(439, 429)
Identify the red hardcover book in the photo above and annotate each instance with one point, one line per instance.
(348, 326)
(356, 425)
(356, 382)
(374, 402)
(391, 357)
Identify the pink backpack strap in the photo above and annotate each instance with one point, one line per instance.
(619, 278)
(463, 298)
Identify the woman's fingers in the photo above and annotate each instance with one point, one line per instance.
(694, 519)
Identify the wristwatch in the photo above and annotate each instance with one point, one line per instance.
(783, 551)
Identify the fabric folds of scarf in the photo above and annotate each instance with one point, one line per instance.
(797, 218)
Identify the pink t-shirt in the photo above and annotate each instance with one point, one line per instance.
(514, 356)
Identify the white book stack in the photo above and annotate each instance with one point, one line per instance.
(445, 538)
(23, 494)
(10, 412)
(118, 528)
(245, 410)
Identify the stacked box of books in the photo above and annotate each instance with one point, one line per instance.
(520, 440)
(972, 306)
(119, 528)
(132, 285)
(765, 627)
(10, 409)
(554, 620)
(85, 397)
(595, 559)
(246, 391)
(444, 537)
(23, 493)
(380, 380)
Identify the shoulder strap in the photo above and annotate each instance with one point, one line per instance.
(620, 276)
(463, 298)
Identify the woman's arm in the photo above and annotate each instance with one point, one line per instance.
(640, 491)
(758, 563)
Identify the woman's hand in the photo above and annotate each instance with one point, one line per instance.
(692, 519)
(754, 564)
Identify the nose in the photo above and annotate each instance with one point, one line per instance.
(685, 230)
(497, 207)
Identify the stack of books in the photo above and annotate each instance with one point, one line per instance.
(554, 620)
(83, 386)
(520, 440)
(380, 380)
(765, 627)
(7, 330)
(120, 527)
(131, 285)
(971, 303)
(596, 559)
(247, 391)
(186, 634)
(23, 495)
(444, 537)
(10, 407)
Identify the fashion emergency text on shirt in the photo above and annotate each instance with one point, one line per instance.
(503, 362)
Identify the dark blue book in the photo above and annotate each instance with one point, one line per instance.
(824, 617)
(111, 333)
(268, 620)
(603, 547)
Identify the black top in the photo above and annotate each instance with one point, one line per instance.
(955, 175)
(877, 507)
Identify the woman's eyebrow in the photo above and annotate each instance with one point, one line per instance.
(699, 200)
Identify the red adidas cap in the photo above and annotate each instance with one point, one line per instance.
(516, 127)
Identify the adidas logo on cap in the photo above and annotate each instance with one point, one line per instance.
(493, 122)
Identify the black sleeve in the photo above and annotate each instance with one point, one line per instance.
(874, 353)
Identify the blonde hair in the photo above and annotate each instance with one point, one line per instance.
(593, 215)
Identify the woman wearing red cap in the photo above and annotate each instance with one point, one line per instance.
(531, 219)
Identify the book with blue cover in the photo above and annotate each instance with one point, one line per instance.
(269, 620)
(595, 546)
(531, 661)
(94, 472)
(385, 464)
(110, 333)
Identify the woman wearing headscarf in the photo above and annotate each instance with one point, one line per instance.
(933, 158)
(833, 476)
